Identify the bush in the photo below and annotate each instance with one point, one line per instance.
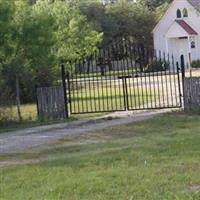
(157, 66)
(195, 64)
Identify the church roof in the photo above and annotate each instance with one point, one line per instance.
(195, 3)
(186, 27)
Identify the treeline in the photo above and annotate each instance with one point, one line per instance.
(124, 18)
(37, 35)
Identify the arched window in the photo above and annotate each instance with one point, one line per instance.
(178, 13)
(185, 12)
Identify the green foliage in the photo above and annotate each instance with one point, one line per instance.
(157, 66)
(195, 64)
(153, 4)
(36, 37)
(74, 36)
(157, 159)
(133, 20)
(96, 14)
(29, 43)
(122, 19)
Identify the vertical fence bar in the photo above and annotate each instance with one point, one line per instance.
(76, 87)
(69, 89)
(179, 87)
(145, 79)
(170, 78)
(174, 81)
(110, 76)
(154, 78)
(161, 77)
(73, 100)
(64, 90)
(133, 71)
(165, 80)
(98, 80)
(183, 74)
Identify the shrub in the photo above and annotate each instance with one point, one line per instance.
(195, 64)
(157, 66)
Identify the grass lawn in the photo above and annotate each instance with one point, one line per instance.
(157, 159)
(28, 112)
(110, 99)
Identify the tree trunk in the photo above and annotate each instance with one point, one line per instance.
(18, 99)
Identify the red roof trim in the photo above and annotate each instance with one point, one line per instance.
(187, 27)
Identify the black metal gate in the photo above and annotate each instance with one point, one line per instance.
(123, 76)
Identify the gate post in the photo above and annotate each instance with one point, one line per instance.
(179, 84)
(182, 66)
(183, 73)
(64, 90)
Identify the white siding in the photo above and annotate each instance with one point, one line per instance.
(167, 21)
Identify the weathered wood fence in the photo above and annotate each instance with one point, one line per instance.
(51, 102)
(192, 93)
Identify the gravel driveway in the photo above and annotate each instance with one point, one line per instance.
(32, 137)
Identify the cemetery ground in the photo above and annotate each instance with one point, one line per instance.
(157, 158)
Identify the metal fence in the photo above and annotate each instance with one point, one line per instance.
(123, 76)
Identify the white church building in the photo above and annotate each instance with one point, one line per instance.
(178, 31)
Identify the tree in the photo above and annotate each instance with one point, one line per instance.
(36, 38)
(6, 16)
(75, 36)
(96, 15)
(29, 43)
(153, 4)
(133, 20)
(121, 19)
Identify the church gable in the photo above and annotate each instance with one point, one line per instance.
(195, 4)
(178, 32)
(177, 10)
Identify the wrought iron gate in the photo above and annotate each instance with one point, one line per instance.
(124, 76)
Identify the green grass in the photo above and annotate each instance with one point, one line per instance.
(107, 73)
(119, 72)
(100, 98)
(157, 159)
(28, 112)
(30, 118)
(9, 120)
